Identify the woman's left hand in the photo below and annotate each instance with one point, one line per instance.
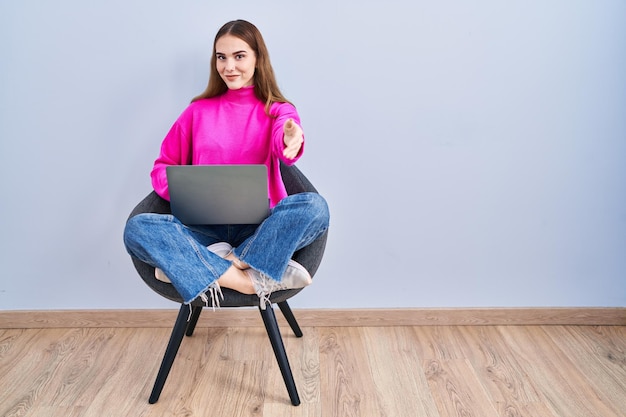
(293, 139)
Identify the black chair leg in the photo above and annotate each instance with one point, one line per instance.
(195, 315)
(291, 319)
(170, 353)
(269, 319)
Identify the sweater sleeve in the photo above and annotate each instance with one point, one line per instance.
(175, 150)
(284, 112)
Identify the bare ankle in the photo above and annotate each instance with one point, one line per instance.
(236, 279)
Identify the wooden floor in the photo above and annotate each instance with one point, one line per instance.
(430, 371)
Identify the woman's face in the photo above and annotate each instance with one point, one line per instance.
(236, 61)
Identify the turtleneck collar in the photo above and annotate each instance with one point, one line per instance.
(243, 95)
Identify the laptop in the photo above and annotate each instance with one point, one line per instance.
(218, 194)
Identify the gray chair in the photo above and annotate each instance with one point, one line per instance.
(310, 257)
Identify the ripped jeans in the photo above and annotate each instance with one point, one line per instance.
(162, 241)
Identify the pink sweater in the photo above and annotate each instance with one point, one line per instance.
(229, 129)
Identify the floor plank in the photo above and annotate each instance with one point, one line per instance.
(396, 372)
(565, 389)
(599, 354)
(347, 388)
(500, 373)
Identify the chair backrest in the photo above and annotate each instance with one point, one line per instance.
(310, 257)
(296, 182)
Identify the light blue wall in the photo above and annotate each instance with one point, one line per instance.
(472, 154)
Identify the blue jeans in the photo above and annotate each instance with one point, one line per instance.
(162, 241)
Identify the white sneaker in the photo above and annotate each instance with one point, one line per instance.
(160, 275)
(295, 276)
(220, 248)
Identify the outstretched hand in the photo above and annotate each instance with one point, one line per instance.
(293, 139)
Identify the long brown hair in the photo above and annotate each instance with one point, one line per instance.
(265, 85)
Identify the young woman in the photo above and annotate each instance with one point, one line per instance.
(241, 118)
